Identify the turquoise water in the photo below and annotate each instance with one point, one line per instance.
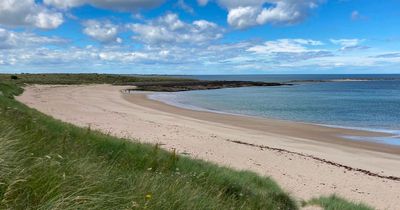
(372, 104)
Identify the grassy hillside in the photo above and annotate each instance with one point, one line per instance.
(48, 164)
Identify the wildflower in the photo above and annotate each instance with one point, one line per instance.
(148, 196)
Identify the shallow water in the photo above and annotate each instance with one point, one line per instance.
(371, 105)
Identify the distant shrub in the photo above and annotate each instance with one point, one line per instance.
(14, 77)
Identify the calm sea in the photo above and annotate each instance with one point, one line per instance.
(370, 102)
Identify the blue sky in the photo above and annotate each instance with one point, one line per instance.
(200, 36)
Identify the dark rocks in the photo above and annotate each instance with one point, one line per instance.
(199, 85)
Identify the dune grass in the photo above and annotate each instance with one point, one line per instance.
(336, 203)
(74, 79)
(48, 164)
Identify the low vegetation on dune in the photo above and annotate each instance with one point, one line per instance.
(48, 164)
(76, 79)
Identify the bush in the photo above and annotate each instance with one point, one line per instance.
(14, 77)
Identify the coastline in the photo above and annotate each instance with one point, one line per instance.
(214, 137)
(316, 132)
(382, 137)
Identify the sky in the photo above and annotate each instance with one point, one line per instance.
(200, 36)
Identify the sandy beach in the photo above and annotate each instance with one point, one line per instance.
(306, 160)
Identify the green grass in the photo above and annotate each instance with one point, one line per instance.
(70, 79)
(48, 164)
(336, 203)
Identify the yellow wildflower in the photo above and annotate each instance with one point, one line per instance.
(148, 196)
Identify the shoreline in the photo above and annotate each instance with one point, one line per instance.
(297, 129)
(385, 133)
(386, 137)
(246, 144)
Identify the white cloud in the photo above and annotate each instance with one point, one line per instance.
(349, 44)
(246, 13)
(105, 31)
(187, 8)
(254, 56)
(119, 5)
(243, 17)
(346, 42)
(289, 51)
(10, 39)
(122, 56)
(28, 13)
(287, 12)
(285, 46)
(169, 29)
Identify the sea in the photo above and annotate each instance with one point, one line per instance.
(364, 102)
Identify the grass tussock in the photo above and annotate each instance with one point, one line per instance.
(47, 164)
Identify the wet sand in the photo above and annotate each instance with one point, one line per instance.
(306, 160)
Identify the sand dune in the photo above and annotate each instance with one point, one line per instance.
(298, 156)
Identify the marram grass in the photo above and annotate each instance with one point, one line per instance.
(47, 164)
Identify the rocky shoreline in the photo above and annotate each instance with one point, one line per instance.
(198, 85)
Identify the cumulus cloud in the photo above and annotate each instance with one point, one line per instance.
(105, 31)
(119, 5)
(246, 13)
(243, 17)
(169, 29)
(28, 13)
(10, 40)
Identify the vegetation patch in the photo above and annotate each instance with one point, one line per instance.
(45, 163)
(48, 164)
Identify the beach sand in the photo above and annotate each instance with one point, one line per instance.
(306, 160)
